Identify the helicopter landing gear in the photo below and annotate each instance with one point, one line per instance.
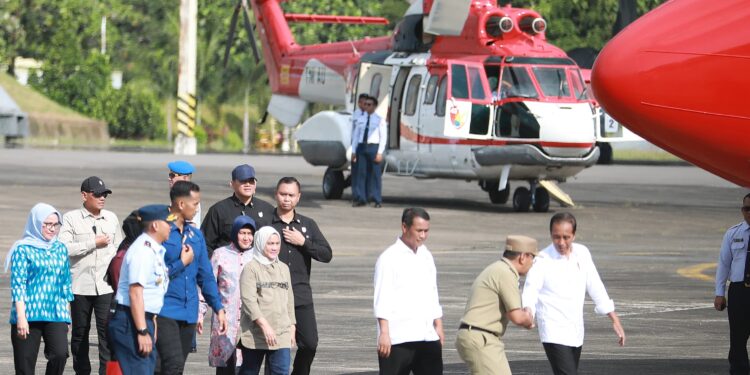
(333, 183)
(496, 196)
(536, 198)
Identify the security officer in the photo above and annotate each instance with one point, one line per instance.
(180, 170)
(734, 265)
(494, 300)
(140, 294)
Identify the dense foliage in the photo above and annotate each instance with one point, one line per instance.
(142, 41)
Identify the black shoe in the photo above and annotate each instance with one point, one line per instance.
(377, 205)
(358, 204)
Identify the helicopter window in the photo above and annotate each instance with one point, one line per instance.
(514, 120)
(442, 97)
(412, 93)
(477, 86)
(459, 84)
(516, 83)
(431, 90)
(578, 87)
(553, 81)
(377, 79)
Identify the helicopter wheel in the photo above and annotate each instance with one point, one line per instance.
(541, 200)
(333, 184)
(498, 196)
(522, 200)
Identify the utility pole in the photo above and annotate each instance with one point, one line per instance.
(185, 142)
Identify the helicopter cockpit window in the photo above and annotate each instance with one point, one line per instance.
(477, 87)
(516, 83)
(442, 97)
(377, 79)
(412, 94)
(459, 84)
(553, 81)
(578, 86)
(431, 90)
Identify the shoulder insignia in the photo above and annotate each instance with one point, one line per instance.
(260, 213)
(147, 243)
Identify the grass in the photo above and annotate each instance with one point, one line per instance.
(31, 101)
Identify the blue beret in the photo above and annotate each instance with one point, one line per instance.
(153, 212)
(181, 167)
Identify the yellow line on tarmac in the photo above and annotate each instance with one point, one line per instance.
(696, 272)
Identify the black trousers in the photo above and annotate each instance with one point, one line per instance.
(307, 339)
(80, 314)
(173, 342)
(421, 358)
(231, 367)
(25, 351)
(738, 309)
(563, 359)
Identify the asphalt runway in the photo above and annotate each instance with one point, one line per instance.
(654, 232)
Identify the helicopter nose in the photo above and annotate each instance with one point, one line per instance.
(678, 78)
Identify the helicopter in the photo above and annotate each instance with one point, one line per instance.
(469, 90)
(683, 88)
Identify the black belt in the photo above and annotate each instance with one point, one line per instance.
(475, 328)
(740, 283)
(127, 310)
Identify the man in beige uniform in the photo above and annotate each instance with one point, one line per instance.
(494, 300)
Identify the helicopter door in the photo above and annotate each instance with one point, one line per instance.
(468, 113)
(394, 119)
(411, 114)
(373, 80)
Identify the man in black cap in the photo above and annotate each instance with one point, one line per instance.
(217, 225)
(91, 235)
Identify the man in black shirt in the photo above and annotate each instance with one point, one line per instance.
(217, 224)
(302, 242)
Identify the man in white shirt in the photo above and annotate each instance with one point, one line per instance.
(369, 138)
(733, 266)
(555, 290)
(410, 325)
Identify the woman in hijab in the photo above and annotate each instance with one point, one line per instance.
(40, 293)
(268, 321)
(227, 263)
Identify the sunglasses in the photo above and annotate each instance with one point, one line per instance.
(172, 175)
(250, 181)
(51, 226)
(745, 208)
(100, 195)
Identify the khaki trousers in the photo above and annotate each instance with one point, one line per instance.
(484, 353)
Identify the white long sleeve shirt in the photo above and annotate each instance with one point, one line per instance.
(406, 293)
(377, 131)
(555, 290)
(731, 265)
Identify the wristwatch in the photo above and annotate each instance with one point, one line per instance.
(142, 332)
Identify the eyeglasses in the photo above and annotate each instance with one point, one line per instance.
(100, 195)
(51, 226)
(172, 175)
(745, 208)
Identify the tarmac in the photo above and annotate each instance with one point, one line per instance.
(654, 232)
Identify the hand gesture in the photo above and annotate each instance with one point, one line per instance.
(187, 255)
(145, 345)
(222, 316)
(720, 303)
(101, 241)
(384, 345)
(293, 236)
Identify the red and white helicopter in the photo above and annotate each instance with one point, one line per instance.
(678, 77)
(470, 91)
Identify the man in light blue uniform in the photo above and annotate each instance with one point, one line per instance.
(140, 294)
(369, 138)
